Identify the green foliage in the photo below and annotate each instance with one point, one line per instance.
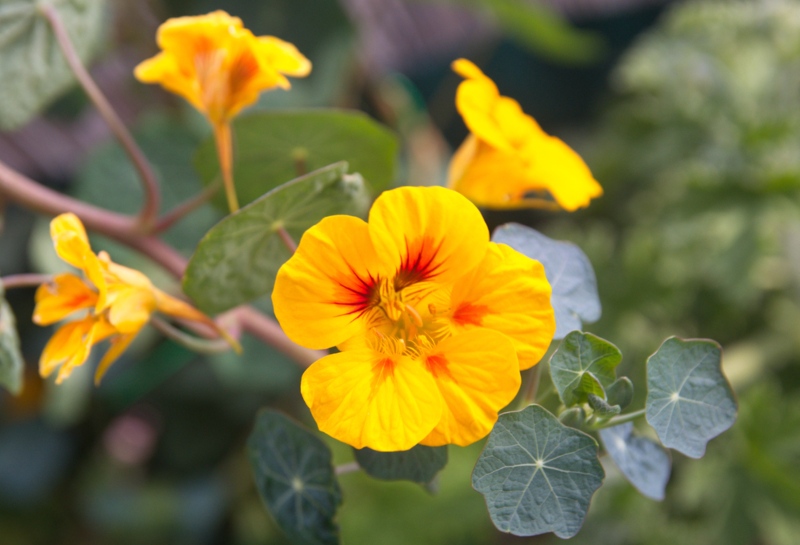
(295, 478)
(537, 475)
(574, 298)
(32, 67)
(583, 365)
(644, 462)
(11, 363)
(274, 147)
(689, 401)
(620, 392)
(239, 257)
(419, 464)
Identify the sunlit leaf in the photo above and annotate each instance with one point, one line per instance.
(275, 147)
(644, 463)
(33, 70)
(420, 464)
(295, 478)
(11, 363)
(689, 400)
(568, 270)
(537, 475)
(239, 257)
(583, 364)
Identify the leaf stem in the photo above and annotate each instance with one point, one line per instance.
(224, 141)
(152, 194)
(197, 344)
(24, 280)
(287, 239)
(620, 419)
(188, 206)
(529, 396)
(349, 467)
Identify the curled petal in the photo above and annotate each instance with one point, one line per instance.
(119, 344)
(508, 292)
(69, 347)
(129, 307)
(477, 374)
(368, 399)
(427, 234)
(57, 299)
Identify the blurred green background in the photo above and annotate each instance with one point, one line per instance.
(687, 114)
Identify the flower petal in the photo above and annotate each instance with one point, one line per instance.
(368, 399)
(72, 245)
(477, 374)
(324, 289)
(119, 344)
(57, 299)
(476, 98)
(69, 347)
(427, 234)
(129, 307)
(282, 56)
(508, 292)
(165, 70)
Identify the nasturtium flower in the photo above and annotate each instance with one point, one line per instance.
(218, 65)
(117, 302)
(433, 321)
(508, 161)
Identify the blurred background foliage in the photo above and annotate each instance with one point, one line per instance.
(687, 114)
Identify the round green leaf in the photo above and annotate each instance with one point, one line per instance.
(274, 147)
(583, 364)
(620, 392)
(32, 67)
(239, 257)
(419, 464)
(295, 478)
(568, 270)
(644, 463)
(11, 362)
(689, 400)
(537, 475)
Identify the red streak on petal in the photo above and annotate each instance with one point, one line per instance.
(469, 314)
(358, 294)
(419, 263)
(437, 365)
(381, 370)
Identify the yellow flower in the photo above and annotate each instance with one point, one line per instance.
(118, 302)
(508, 161)
(218, 65)
(432, 320)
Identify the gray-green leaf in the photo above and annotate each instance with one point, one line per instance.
(295, 478)
(689, 400)
(620, 392)
(239, 257)
(419, 464)
(11, 363)
(568, 270)
(537, 475)
(274, 147)
(583, 364)
(33, 70)
(644, 463)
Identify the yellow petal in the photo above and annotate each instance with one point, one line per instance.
(476, 98)
(427, 234)
(282, 56)
(477, 374)
(119, 344)
(165, 69)
(70, 240)
(508, 292)
(69, 347)
(129, 307)
(324, 289)
(367, 399)
(57, 299)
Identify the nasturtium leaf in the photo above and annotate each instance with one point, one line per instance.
(33, 70)
(277, 146)
(583, 364)
(601, 407)
(689, 400)
(295, 477)
(239, 257)
(573, 417)
(644, 463)
(620, 392)
(11, 363)
(537, 475)
(574, 298)
(419, 464)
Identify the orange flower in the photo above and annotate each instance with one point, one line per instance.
(118, 302)
(218, 65)
(433, 321)
(508, 160)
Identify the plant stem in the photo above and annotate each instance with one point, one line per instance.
(269, 332)
(203, 346)
(190, 205)
(152, 194)
(287, 239)
(224, 140)
(529, 396)
(349, 467)
(24, 280)
(621, 419)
